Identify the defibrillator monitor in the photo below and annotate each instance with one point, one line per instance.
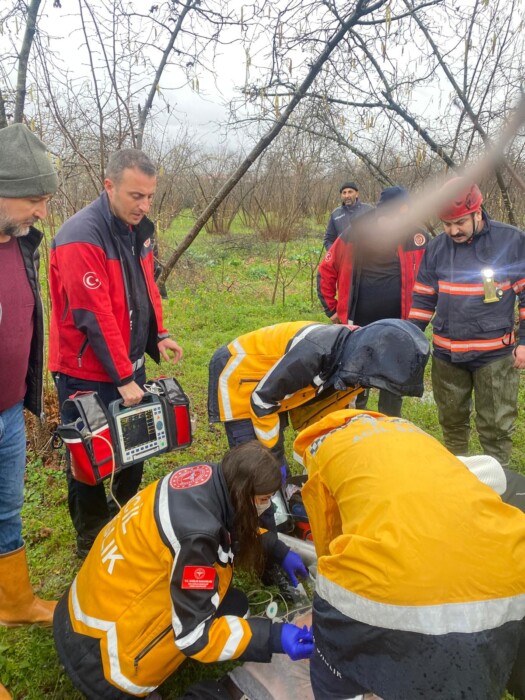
(140, 431)
(101, 442)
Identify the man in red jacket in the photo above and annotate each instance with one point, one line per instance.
(367, 277)
(106, 314)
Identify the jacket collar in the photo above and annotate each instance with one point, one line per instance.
(32, 240)
(485, 225)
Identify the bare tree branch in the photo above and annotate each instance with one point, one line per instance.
(145, 110)
(362, 8)
(468, 108)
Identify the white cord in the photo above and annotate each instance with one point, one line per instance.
(108, 443)
(271, 598)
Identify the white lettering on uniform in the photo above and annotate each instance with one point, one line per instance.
(111, 555)
(132, 503)
(331, 668)
(126, 518)
(131, 509)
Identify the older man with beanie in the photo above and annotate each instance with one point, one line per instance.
(368, 274)
(27, 182)
(467, 287)
(341, 217)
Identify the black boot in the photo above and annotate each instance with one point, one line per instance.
(273, 575)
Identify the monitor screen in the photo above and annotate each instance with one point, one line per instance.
(138, 429)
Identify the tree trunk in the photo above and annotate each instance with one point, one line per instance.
(23, 58)
(361, 9)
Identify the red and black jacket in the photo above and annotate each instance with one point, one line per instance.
(90, 326)
(336, 280)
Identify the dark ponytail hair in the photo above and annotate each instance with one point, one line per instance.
(249, 470)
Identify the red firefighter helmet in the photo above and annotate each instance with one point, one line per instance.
(467, 201)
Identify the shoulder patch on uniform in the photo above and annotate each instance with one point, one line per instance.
(200, 578)
(147, 243)
(188, 477)
(419, 239)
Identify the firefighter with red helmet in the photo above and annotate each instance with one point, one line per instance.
(467, 286)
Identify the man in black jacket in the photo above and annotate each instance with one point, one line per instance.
(27, 182)
(469, 281)
(341, 217)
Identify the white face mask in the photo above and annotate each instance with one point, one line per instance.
(262, 507)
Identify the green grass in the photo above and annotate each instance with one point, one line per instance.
(221, 288)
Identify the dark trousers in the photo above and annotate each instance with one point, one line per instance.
(240, 431)
(390, 404)
(495, 389)
(516, 684)
(89, 507)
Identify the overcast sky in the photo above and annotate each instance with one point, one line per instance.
(204, 113)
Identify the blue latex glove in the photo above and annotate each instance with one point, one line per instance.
(292, 564)
(297, 642)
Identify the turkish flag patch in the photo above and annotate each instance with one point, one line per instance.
(198, 578)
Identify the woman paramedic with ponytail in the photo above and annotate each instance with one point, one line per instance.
(156, 586)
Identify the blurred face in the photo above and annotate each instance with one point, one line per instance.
(17, 214)
(130, 198)
(349, 196)
(394, 213)
(462, 230)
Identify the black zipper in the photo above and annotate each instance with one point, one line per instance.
(125, 279)
(150, 646)
(249, 381)
(39, 303)
(81, 352)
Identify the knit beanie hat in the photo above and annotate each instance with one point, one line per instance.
(25, 169)
(488, 470)
(390, 194)
(350, 185)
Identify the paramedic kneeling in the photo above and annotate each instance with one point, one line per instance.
(156, 585)
(420, 591)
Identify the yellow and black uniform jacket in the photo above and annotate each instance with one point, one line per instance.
(272, 370)
(407, 537)
(420, 590)
(151, 585)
